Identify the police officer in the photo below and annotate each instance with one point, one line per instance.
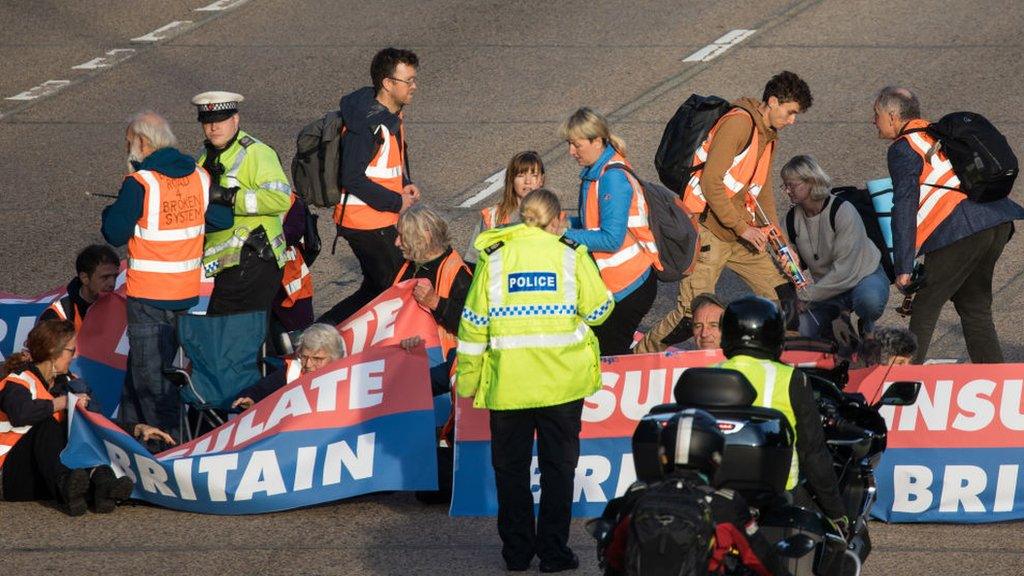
(246, 259)
(527, 353)
(753, 331)
(695, 461)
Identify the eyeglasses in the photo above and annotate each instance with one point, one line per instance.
(305, 358)
(792, 186)
(72, 350)
(410, 81)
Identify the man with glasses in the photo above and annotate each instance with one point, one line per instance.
(730, 193)
(375, 175)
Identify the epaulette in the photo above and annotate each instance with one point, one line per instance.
(247, 141)
(494, 247)
(569, 242)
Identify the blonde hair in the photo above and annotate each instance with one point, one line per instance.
(424, 232)
(806, 169)
(539, 208)
(586, 123)
(521, 163)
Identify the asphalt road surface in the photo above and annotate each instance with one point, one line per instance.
(496, 78)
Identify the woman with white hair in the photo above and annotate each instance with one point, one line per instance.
(844, 263)
(319, 345)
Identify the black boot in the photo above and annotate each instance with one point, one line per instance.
(107, 489)
(74, 485)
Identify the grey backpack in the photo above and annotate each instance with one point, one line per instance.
(316, 167)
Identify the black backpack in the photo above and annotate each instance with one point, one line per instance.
(671, 530)
(316, 167)
(861, 200)
(674, 232)
(981, 157)
(683, 134)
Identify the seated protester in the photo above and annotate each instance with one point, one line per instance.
(427, 248)
(33, 428)
(689, 467)
(319, 345)
(703, 328)
(525, 173)
(889, 347)
(96, 268)
(292, 308)
(844, 263)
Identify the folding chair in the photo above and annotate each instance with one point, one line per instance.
(225, 357)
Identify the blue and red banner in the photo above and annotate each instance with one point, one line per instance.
(362, 424)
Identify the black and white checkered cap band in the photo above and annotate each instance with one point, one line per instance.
(217, 107)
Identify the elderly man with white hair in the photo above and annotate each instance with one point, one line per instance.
(162, 213)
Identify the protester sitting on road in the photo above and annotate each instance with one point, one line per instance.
(613, 225)
(526, 353)
(844, 263)
(95, 274)
(33, 427)
(319, 345)
(889, 347)
(525, 173)
(707, 317)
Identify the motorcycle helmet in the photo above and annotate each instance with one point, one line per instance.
(688, 439)
(753, 324)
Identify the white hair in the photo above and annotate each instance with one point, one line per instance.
(154, 128)
(324, 338)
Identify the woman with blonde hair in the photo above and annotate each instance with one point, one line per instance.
(613, 225)
(524, 174)
(527, 353)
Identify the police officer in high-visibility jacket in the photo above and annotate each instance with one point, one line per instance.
(246, 260)
(162, 212)
(526, 352)
(961, 240)
(753, 331)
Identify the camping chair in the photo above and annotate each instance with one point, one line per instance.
(225, 356)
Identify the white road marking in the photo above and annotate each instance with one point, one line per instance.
(494, 183)
(114, 56)
(220, 5)
(718, 47)
(44, 89)
(164, 32)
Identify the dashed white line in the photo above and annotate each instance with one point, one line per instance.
(44, 89)
(164, 32)
(115, 56)
(718, 47)
(221, 5)
(494, 183)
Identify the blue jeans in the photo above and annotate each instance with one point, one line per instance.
(148, 396)
(867, 299)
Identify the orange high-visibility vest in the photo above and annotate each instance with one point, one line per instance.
(935, 204)
(747, 171)
(165, 252)
(10, 434)
(638, 251)
(58, 307)
(443, 280)
(490, 218)
(386, 168)
(297, 281)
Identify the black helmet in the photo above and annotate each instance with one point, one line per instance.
(753, 324)
(688, 439)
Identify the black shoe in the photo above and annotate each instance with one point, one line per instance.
(73, 488)
(570, 564)
(107, 489)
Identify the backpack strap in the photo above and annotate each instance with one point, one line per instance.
(832, 211)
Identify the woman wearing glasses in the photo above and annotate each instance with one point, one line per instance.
(830, 238)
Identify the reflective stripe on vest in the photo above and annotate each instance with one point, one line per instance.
(747, 170)
(387, 169)
(638, 251)
(934, 204)
(59, 309)
(165, 251)
(292, 370)
(296, 279)
(10, 434)
(771, 380)
(490, 218)
(442, 282)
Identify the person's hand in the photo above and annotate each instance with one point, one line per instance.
(145, 433)
(411, 342)
(407, 201)
(902, 281)
(60, 403)
(83, 401)
(755, 237)
(425, 294)
(244, 403)
(413, 191)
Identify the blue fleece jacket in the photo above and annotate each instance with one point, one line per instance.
(966, 219)
(613, 213)
(119, 219)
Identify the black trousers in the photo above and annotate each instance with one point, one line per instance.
(615, 336)
(33, 469)
(558, 450)
(962, 272)
(249, 286)
(379, 260)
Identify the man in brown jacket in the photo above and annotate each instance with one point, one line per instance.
(732, 178)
